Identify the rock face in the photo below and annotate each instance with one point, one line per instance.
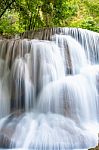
(97, 148)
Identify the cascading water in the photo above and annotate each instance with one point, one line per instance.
(49, 91)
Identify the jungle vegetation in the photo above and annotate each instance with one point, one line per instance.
(18, 16)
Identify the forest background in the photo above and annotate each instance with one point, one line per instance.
(17, 16)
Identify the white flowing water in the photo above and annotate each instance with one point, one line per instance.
(49, 92)
(75, 53)
(4, 89)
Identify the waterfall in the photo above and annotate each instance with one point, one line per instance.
(49, 90)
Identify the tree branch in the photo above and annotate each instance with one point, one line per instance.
(8, 6)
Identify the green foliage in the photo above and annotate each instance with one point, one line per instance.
(21, 15)
(90, 24)
(88, 15)
(63, 11)
(29, 14)
(9, 23)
